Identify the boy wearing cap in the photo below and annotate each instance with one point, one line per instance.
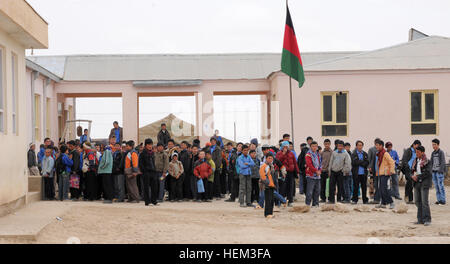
(255, 176)
(245, 163)
(287, 158)
(394, 177)
(32, 163)
(176, 171)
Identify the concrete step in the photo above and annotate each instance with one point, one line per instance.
(33, 197)
(25, 224)
(34, 183)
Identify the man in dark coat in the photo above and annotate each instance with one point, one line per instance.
(421, 169)
(186, 159)
(163, 135)
(216, 153)
(150, 177)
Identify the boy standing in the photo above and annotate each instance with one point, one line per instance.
(287, 158)
(32, 163)
(202, 170)
(360, 162)
(384, 168)
(421, 168)
(66, 163)
(209, 188)
(438, 170)
(266, 171)
(131, 172)
(326, 156)
(255, 176)
(245, 163)
(339, 166)
(176, 185)
(161, 167)
(394, 177)
(233, 176)
(47, 173)
(313, 171)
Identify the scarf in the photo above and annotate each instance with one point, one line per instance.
(316, 159)
(380, 155)
(422, 163)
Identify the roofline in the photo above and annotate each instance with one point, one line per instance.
(45, 21)
(372, 51)
(36, 67)
(190, 54)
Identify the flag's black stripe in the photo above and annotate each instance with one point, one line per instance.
(289, 20)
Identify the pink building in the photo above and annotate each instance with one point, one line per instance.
(396, 93)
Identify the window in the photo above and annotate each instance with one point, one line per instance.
(424, 112)
(14, 93)
(334, 113)
(47, 118)
(2, 95)
(37, 115)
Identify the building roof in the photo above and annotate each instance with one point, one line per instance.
(431, 52)
(171, 66)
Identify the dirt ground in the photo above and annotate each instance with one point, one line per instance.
(220, 222)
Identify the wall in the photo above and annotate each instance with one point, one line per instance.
(379, 105)
(13, 173)
(46, 89)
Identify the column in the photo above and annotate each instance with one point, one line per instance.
(204, 127)
(130, 114)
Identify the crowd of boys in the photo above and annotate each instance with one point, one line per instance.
(249, 173)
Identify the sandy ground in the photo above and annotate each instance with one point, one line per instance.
(220, 222)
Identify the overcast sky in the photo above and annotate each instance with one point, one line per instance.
(217, 26)
(224, 26)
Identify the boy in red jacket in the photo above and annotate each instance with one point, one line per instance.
(313, 171)
(202, 170)
(287, 158)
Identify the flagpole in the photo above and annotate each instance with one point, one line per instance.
(292, 111)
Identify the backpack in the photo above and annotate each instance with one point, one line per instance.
(59, 165)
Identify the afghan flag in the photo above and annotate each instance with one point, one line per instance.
(291, 62)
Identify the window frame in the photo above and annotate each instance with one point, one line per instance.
(38, 117)
(3, 89)
(333, 121)
(435, 92)
(14, 94)
(47, 117)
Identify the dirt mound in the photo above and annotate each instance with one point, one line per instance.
(362, 208)
(340, 208)
(401, 209)
(300, 209)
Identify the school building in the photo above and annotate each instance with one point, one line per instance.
(397, 93)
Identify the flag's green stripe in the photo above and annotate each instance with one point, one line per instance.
(292, 67)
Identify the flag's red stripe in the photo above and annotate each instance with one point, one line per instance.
(290, 43)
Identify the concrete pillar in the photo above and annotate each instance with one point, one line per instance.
(34, 76)
(130, 114)
(280, 109)
(204, 127)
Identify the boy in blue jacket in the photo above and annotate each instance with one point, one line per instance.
(65, 166)
(245, 164)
